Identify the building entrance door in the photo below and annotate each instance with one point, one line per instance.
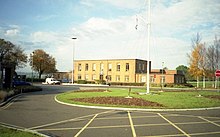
(101, 77)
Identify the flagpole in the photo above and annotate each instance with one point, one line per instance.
(148, 48)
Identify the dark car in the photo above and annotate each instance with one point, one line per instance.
(20, 83)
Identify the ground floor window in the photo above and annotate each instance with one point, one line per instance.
(94, 77)
(79, 77)
(126, 78)
(152, 79)
(117, 78)
(86, 77)
(162, 79)
(109, 78)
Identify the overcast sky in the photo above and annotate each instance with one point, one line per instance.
(105, 29)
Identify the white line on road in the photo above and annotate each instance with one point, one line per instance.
(132, 125)
(174, 125)
(86, 126)
(68, 120)
(209, 121)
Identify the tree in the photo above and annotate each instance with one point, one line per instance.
(213, 59)
(42, 62)
(197, 60)
(11, 56)
(185, 71)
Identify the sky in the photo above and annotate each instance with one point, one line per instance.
(109, 29)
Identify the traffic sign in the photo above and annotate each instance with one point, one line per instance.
(217, 73)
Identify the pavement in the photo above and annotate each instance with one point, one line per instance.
(39, 112)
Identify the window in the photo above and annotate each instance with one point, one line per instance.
(94, 77)
(79, 67)
(117, 77)
(87, 67)
(102, 67)
(162, 79)
(143, 78)
(86, 77)
(127, 67)
(109, 67)
(152, 79)
(118, 67)
(94, 67)
(139, 66)
(143, 66)
(79, 77)
(109, 78)
(126, 78)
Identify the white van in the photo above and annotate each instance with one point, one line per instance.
(52, 81)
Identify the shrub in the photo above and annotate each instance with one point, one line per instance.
(81, 81)
(127, 84)
(100, 82)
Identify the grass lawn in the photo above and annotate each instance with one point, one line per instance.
(6, 132)
(170, 100)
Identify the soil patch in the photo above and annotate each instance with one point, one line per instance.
(213, 97)
(118, 101)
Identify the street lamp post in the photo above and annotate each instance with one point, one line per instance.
(162, 78)
(32, 77)
(73, 58)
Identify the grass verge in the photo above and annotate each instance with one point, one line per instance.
(169, 100)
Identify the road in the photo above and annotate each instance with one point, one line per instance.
(39, 111)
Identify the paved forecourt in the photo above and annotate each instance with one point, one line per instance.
(114, 123)
(40, 112)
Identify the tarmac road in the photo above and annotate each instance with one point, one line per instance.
(38, 111)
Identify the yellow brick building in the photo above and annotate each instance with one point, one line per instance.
(112, 70)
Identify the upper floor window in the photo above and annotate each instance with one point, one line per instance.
(127, 67)
(94, 67)
(109, 67)
(118, 67)
(79, 67)
(102, 67)
(143, 66)
(87, 67)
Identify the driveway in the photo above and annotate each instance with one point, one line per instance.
(38, 111)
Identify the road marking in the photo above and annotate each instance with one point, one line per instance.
(174, 125)
(132, 125)
(209, 121)
(126, 117)
(86, 126)
(68, 120)
(206, 133)
(174, 135)
(12, 126)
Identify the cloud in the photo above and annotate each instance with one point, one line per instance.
(12, 30)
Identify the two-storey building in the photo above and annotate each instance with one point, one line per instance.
(112, 70)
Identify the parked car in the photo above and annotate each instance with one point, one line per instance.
(65, 80)
(20, 83)
(52, 81)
